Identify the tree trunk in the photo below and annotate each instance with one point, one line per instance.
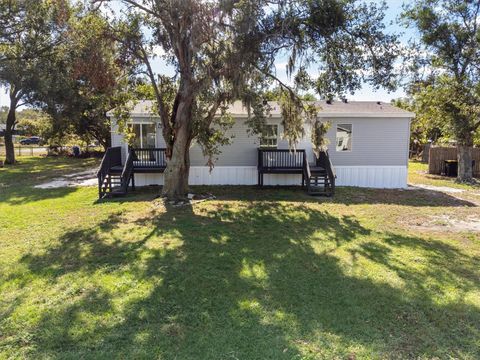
(10, 126)
(101, 132)
(426, 153)
(178, 164)
(178, 167)
(103, 141)
(464, 157)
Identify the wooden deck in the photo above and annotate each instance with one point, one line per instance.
(280, 161)
(115, 177)
(319, 178)
(149, 160)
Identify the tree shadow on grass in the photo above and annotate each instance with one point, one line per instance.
(24, 196)
(85, 250)
(142, 193)
(343, 195)
(254, 280)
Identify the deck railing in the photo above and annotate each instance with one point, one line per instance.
(279, 159)
(306, 169)
(127, 172)
(331, 173)
(323, 160)
(144, 158)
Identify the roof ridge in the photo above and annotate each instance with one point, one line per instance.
(336, 108)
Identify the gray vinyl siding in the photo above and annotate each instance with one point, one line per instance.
(375, 142)
(242, 150)
(117, 139)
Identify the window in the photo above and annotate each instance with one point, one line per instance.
(144, 135)
(269, 136)
(344, 137)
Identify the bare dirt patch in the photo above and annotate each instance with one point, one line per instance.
(84, 178)
(445, 189)
(467, 195)
(448, 223)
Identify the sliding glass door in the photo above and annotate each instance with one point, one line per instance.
(144, 135)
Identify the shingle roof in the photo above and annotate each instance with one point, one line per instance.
(333, 109)
(339, 108)
(360, 107)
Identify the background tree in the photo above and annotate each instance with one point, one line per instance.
(89, 80)
(29, 34)
(450, 51)
(425, 127)
(33, 122)
(224, 51)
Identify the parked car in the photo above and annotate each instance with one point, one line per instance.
(32, 140)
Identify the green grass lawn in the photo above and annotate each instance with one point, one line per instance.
(254, 274)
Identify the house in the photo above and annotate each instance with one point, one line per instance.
(368, 147)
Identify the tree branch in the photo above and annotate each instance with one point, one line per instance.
(151, 75)
(284, 86)
(213, 110)
(134, 4)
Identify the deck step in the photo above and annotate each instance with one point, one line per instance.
(112, 186)
(115, 180)
(318, 183)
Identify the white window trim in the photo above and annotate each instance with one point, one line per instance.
(351, 140)
(276, 138)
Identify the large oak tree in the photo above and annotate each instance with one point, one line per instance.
(85, 79)
(449, 59)
(29, 34)
(59, 56)
(226, 50)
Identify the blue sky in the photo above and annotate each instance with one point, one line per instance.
(367, 93)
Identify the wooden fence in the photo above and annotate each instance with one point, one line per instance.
(438, 155)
